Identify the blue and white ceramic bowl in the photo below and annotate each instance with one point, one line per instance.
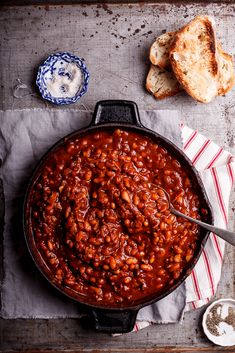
(57, 64)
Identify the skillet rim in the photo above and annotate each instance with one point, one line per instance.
(84, 131)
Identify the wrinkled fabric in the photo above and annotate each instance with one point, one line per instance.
(25, 135)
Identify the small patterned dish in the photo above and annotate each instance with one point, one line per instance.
(62, 78)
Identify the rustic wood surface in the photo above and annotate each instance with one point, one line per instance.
(78, 2)
(114, 40)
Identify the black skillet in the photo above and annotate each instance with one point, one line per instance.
(108, 115)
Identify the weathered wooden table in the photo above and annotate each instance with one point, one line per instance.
(114, 40)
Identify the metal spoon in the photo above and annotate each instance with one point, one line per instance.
(222, 233)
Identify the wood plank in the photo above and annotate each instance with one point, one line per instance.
(145, 350)
(115, 45)
(86, 2)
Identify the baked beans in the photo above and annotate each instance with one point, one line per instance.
(102, 225)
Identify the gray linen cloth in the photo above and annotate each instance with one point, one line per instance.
(25, 135)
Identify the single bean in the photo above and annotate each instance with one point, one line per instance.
(146, 267)
(174, 267)
(125, 196)
(98, 291)
(50, 245)
(131, 260)
(177, 258)
(112, 263)
(126, 280)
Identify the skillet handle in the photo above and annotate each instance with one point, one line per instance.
(116, 111)
(114, 321)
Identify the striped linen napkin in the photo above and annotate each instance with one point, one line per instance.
(217, 169)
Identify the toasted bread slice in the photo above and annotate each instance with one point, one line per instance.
(159, 51)
(226, 72)
(193, 58)
(162, 83)
(159, 55)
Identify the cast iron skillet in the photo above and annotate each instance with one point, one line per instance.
(108, 115)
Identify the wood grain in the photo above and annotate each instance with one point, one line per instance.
(91, 2)
(145, 350)
(114, 41)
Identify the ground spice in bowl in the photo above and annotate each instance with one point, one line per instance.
(215, 318)
(219, 322)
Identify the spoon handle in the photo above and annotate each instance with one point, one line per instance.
(222, 233)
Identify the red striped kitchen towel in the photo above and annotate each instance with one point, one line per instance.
(217, 170)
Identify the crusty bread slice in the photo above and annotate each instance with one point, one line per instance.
(226, 72)
(159, 51)
(162, 83)
(193, 58)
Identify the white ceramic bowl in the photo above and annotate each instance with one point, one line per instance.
(224, 339)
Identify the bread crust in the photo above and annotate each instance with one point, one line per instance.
(226, 72)
(162, 83)
(159, 51)
(190, 61)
